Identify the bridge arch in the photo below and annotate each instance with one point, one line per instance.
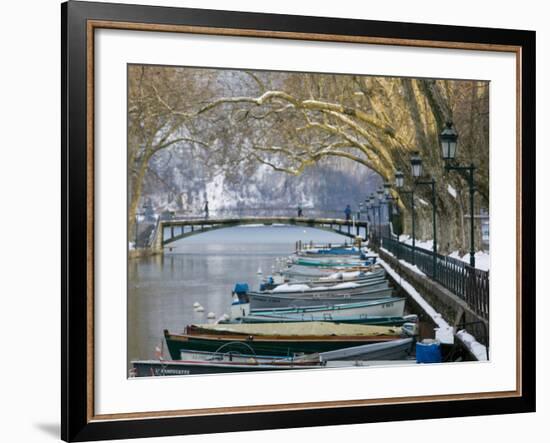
(169, 231)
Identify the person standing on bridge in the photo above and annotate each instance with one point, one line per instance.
(347, 211)
(206, 209)
(300, 213)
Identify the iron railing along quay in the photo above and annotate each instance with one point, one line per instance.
(470, 284)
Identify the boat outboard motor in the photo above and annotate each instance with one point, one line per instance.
(268, 283)
(240, 307)
(241, 289)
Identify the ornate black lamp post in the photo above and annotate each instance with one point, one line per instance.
(449, 144)
(370, 219)
(399, 183)
(367, 215)
(375, 209)
(389, 201)
(380, 193)
(370, 200)
(416, 165)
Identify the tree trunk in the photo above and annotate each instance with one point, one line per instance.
(135, 196)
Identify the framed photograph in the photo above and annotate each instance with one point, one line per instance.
(277, 221)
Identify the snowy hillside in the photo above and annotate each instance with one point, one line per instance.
(180, 185)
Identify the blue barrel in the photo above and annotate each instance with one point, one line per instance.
(428, 351)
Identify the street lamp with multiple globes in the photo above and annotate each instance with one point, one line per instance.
(399, 184)
(380, 193)
(389, 200)
(367, 212)
(449, 144)
(416, 167)
(375, 209)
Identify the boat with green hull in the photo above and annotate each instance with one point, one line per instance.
(332, 262)
(279, 339)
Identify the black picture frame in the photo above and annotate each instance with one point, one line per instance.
(77, 424)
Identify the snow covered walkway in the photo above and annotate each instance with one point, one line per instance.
(444, 332)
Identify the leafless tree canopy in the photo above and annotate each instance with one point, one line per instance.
(290, 121)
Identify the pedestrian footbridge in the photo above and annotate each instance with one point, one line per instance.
(169, 231)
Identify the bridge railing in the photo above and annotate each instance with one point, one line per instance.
(178, 224)
(175, 229)
(262, 212)
(468, 283)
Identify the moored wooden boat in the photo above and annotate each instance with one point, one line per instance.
(260, 300)
(353, 276)
(157, 368)
(313, 329)
(350, 319)
(328, 279)
(201, 362)
(391, 350)
(301, 272)
(334, 251)
(280, 339)
(360, 312)
(346, 287)
(332, 262)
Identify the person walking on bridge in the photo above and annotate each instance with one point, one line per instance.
(347, 211)
(300, 213)
(206, 209)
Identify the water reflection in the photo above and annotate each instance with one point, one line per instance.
(202, 269)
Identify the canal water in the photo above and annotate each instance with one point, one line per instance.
(203, 269)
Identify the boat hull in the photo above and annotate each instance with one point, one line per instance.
(370, 307)
(350, 288)
(383, 311)
(163, 368)
(331, 262)
(400, 349)
(272, 346)
(265, 301)
(309, 272)
(357, 320)
(325, 281)
(330, 252)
